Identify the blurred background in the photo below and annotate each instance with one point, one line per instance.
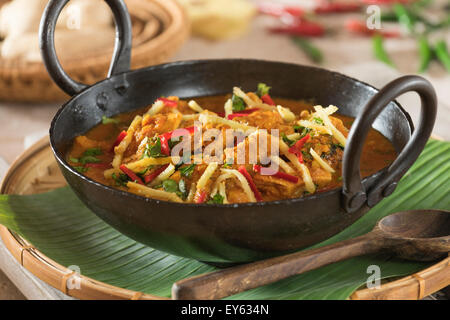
(372, 40)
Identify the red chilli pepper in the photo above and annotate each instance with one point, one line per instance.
(201, 197)
(249, 110)
(150, 177)
(333, 7)
(267, 99)
(278, 10)
(97, 165)
(130, 174)
(297, 147)
(242, 113)
(300, 27)
(178, 133)
(168, 102)
(279, 174)
(119, 139)
(165, 149)
(249, 179)
(164, 138)
(360, 27)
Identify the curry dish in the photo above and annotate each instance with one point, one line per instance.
(176, 150)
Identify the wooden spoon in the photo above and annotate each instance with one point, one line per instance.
(421, 235)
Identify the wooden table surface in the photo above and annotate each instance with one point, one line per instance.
(21, 125)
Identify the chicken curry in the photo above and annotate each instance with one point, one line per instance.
(141, 151)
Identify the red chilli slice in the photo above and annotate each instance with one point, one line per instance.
(130, 174)
(201, 197)
(267, 99)
(360, 27)
(119, 139)
(150, 177)
(249, 110)
(242, 113)
(330, 7)
(178, 133)
(279, 174)
(278, 10)
(300, 28)
(249, 179)
(165, 150)
(168, 102)
(164, 138)
(297, 147)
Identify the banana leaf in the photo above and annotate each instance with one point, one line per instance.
(61, 227)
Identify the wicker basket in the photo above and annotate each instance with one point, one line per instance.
(160, 27)
(36, 171)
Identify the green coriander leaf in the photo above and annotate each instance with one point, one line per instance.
(288, 141)
(217, 199)
(89, 159)
(187, 171)
(121, 180)
(153, 150)
(93, 152)
(170, 185)
(81, 169)
(174, 141)
(318, 120)
(263, 89)
(238, 103)
(185, 159)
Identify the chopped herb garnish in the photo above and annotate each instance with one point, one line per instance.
(81, 169)
(263, 89)
(93, 152)
(121, 180)
(89, 156)
(187, 171)
(89, 159)
(318, 120)
(217, 199)
(106, 120)
(306, 155)
(238, 103)
(153, 150)
(185, 159)
(174, 141)
(74, 160)
(143, 172)
(288, 141)
(302, 130)
(228, 163)
(170, 185)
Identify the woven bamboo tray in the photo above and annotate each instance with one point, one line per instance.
(36, 171)
(160, 27)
